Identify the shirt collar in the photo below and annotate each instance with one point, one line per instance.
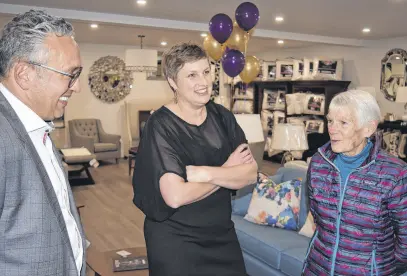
(29, 118)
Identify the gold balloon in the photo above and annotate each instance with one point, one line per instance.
(213, 48)
(238, 39)
(251, 69)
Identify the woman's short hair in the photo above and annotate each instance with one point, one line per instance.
(176, 57)
(361, 103)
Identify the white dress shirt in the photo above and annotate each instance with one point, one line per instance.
(38, 131)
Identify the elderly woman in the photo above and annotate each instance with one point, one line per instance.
(191, 155)
(358, 196)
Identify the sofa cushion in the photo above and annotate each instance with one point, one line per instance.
(103, 147)
(240, 205)
(292, 260)
(255, 267)
(266, 243)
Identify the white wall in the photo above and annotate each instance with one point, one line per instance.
(361, 65)
(86, 105)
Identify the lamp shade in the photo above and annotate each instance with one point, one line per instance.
(141, 59)
(289, 137)
(401, 94)
(251, 126)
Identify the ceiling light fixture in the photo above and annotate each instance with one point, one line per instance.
(366, 30)
(279, 19)
(204, 34)
(280, 42)
(94, 26)
(141, 2)
(163, 43)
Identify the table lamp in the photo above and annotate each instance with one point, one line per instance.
(288, 137)
(251, 126)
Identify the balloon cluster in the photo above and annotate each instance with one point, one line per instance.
(228, 42)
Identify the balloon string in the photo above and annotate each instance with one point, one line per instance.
(243, 90)
(232, 92)
(245, 43)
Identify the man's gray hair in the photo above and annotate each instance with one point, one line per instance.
(363, 105)
(22, 38)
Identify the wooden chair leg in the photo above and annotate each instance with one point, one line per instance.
(130, 164)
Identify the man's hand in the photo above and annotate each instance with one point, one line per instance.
(197, 174)
(242, 155)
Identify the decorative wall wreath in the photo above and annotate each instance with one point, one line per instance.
(109, 80)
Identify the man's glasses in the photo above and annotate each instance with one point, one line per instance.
(74, 76)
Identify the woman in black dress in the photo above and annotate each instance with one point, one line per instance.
(191, 155)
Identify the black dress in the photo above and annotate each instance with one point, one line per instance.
(198, 239)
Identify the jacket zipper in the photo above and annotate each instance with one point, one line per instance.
(309, 248)
(341, 197)
(373, 266)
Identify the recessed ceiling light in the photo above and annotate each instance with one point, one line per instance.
(163, 43)
(204, 34)
(366, 30)
(141, 2)
(397, 57)
(280, 42)
(94, 26)
(279, 19)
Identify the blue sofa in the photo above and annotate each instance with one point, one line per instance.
(269, 251)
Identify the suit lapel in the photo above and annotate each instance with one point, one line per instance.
(26, 142)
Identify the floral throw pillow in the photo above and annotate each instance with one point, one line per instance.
(277, 205)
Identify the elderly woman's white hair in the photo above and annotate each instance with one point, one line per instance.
(361, 103)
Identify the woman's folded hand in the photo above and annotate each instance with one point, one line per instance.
(242, 155)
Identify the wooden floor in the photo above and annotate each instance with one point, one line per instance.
(110, 218)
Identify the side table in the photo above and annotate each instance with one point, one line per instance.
(78, 160)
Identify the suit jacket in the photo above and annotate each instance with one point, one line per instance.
(33, 235)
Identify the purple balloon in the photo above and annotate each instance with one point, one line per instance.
(233, 62)
(221, 26)
(247, 15)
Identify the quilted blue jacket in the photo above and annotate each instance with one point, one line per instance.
(364, 231)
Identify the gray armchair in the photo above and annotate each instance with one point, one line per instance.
(89, 133)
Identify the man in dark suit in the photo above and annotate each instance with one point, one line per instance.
(40, 230)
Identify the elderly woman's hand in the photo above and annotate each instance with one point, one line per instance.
(242, 155)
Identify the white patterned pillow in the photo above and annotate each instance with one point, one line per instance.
(309, 227)
(273, 99)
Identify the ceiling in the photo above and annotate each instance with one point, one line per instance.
(305, 22)
(119, 34)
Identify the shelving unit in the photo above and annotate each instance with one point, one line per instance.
(327, 88)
